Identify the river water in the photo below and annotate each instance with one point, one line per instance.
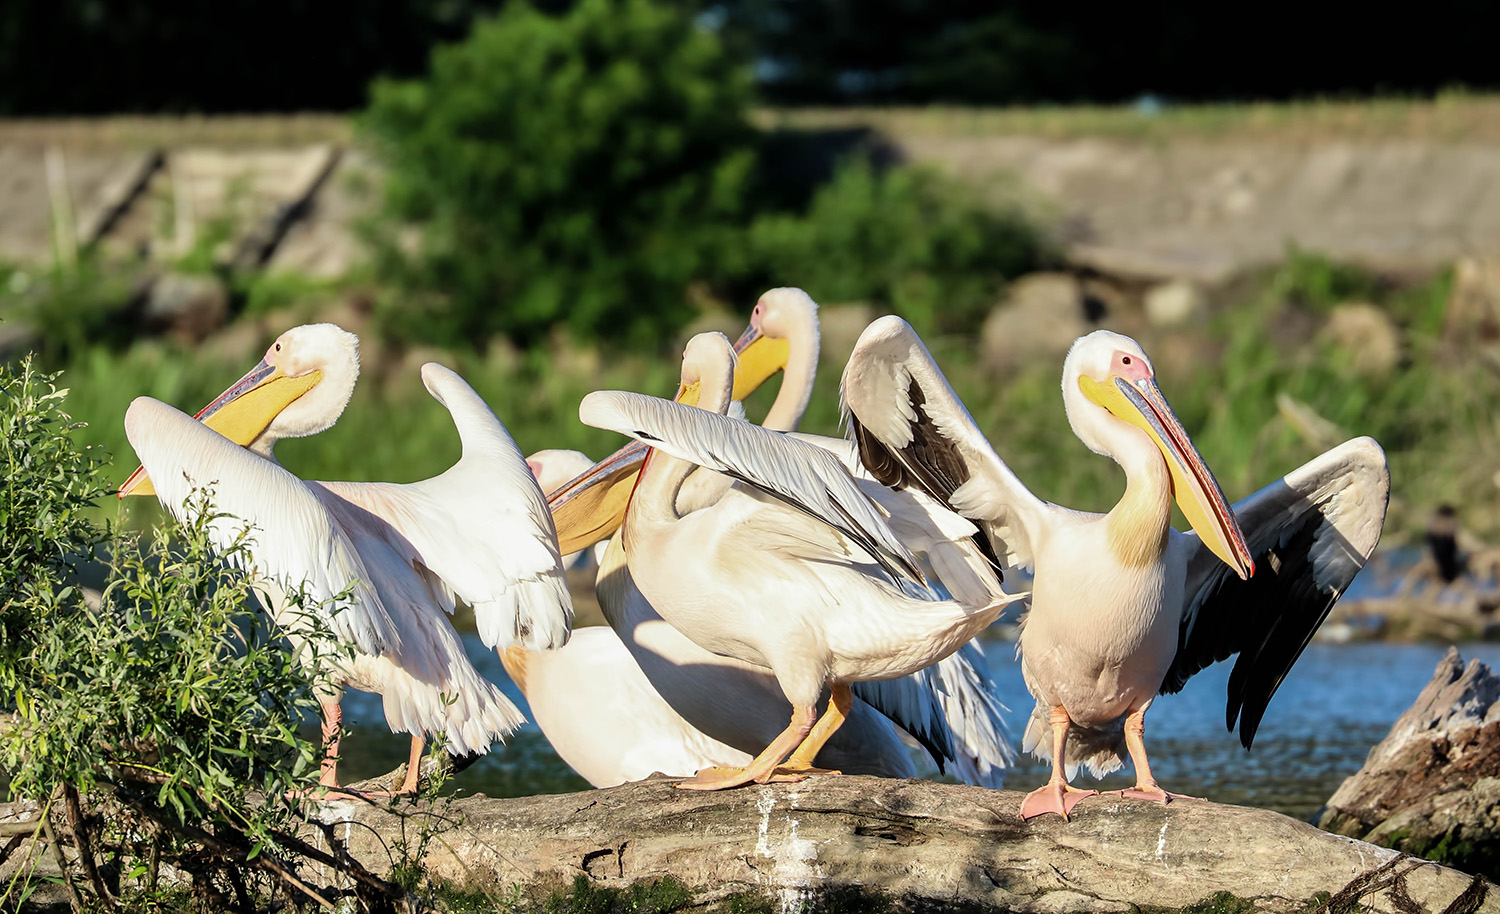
(1338, 701)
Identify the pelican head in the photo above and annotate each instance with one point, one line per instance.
(299, 388)
(591, 506)
(1112, 399)
(554, 466)
(709, 366)
(783, 331)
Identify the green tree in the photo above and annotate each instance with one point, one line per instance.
(581, 169)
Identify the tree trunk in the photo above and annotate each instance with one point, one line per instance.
(906, 845)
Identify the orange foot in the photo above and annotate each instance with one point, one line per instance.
(717, 778)
(1150, 791)
(1056, 796)
(720, 778)
(794, 769)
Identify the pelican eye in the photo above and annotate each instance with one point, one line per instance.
(1123, 361)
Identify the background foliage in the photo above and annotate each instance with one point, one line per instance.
(564, 170)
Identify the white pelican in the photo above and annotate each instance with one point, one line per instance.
(812, 583)
(1123, 607)
(480, 531)
(951, 709)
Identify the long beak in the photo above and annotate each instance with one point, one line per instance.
(241, 412)
(760, 357)
(1197, 491)
(592, 506)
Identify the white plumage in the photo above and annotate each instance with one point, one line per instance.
(812, 584)
(1123, 607)
(480, 531)
(680, 688)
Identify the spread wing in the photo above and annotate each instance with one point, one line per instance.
(1310, 532)
(913, 431)
(296, 543)
(482, 527)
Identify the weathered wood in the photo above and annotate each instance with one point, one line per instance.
(919, 843)
(1432, 786)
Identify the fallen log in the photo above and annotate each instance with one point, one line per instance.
(1432, 786)
(900, 845)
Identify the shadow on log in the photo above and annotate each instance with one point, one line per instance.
(908, 845)
(1432, 786)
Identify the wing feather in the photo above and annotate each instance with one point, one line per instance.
(296, 543)
(482, 527)
(807, 477)
(913, 431)
(1310, 533)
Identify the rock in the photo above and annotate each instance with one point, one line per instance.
(1432, 786)
(902, 845)
(1474, 303)
(1172, 304)
(1367, 335)
(1040, 318)
(187, 307)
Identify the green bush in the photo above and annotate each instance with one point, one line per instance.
(910, 239)
(582, 170)
(161, 711)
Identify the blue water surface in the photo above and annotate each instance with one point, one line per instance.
(1338, 701)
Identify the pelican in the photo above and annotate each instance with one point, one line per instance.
(792, 568)
(479, 531)
(1123, 607)
(603, 714)
(951, 710)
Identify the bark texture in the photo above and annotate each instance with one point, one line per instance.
(1432, 786)
(917, 845)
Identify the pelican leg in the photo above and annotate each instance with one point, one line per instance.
(413, 766)
(1058, 795)
(1145, 787)
(763, 768)
(333, 723)
(801, 759)
(328, 775)
(408, 781)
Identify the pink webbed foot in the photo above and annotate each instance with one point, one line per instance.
(1152, 792)
(1055, 796)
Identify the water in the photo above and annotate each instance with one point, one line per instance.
(1338, 701)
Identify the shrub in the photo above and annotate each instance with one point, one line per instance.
(166, 700)
(910, 239)
(579, 170)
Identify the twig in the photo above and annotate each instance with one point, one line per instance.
(85, 846)
(224, 848)
(11, 845)
(62, 865)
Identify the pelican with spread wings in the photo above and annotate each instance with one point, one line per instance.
(791, 567)
(381, 564)
(660, 702)
(1123, 607)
